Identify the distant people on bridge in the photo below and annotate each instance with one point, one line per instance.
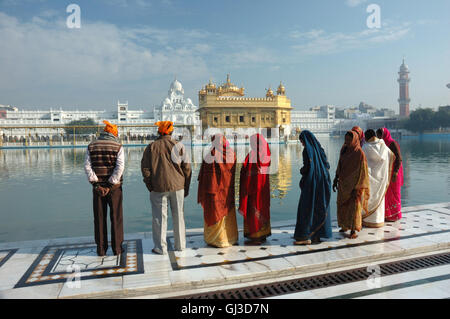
(352, 184)
(380, 161)
(393, 201)
(166, 169)
(216, 193)
(313, 213)
(254, 191)
(104, 165)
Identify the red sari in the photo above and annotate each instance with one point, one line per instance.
(216, 194)
(393, 199)
(254, 192)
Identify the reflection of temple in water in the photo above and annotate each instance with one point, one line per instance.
(280, 183)
(33, 162)
(62, 161)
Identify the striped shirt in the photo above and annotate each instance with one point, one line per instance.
(104, 161)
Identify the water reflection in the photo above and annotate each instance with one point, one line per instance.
(45, 193)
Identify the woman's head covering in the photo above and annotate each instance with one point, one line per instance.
(353, 173)
(313, 217)
(355, 139)
(380, 133)
(387, 137)
(216, 180)
(260, 151)
(111, 128)
(225, 153)
(164, 127)
(315, 150)
(254, 190)
(360, 133)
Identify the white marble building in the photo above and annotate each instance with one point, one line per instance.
(176, 108)
(319, 120)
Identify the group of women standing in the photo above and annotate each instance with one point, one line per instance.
(216, 192)
(368, 179)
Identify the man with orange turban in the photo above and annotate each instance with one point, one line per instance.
(165, 127)
(167, 172)
(104, 165)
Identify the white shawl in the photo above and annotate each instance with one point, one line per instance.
(380, 160)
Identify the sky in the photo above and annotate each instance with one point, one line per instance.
(323, 51)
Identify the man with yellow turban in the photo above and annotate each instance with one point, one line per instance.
(104, 165)
(167, 172)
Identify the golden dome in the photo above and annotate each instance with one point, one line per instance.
(210, 85)
(229, 88)
(269, 93)
(281, 90)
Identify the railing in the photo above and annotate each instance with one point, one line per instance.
(61, 135)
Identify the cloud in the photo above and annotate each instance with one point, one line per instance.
(246, 56)
(128, 3)
(42, 55)
(45, 56)
(313, 34)
(45, 53)
(354, 3)
(319, 42)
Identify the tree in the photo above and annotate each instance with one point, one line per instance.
(422, 120)
(82, 130)
(443, 116)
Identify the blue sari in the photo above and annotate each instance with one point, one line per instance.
(313, 213)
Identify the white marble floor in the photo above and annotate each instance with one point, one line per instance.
(65, 268)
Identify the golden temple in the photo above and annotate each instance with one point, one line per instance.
(225, 106)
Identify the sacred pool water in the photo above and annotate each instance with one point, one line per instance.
(44, 193)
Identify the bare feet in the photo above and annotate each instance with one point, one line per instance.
(353, 235)
(302, 242)
(252, 242)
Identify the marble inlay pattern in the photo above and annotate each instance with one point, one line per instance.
(414, 224)
(59, 263)
(5, 255)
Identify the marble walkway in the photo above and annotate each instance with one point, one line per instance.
(69, 268)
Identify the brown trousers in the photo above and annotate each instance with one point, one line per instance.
(114, 201)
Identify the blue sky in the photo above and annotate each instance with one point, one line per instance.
(131, 50)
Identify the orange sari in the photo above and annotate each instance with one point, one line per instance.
(353, 185)
(216, 194)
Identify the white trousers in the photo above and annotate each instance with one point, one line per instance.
(159, 221)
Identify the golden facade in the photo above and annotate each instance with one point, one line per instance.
(226, 107)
